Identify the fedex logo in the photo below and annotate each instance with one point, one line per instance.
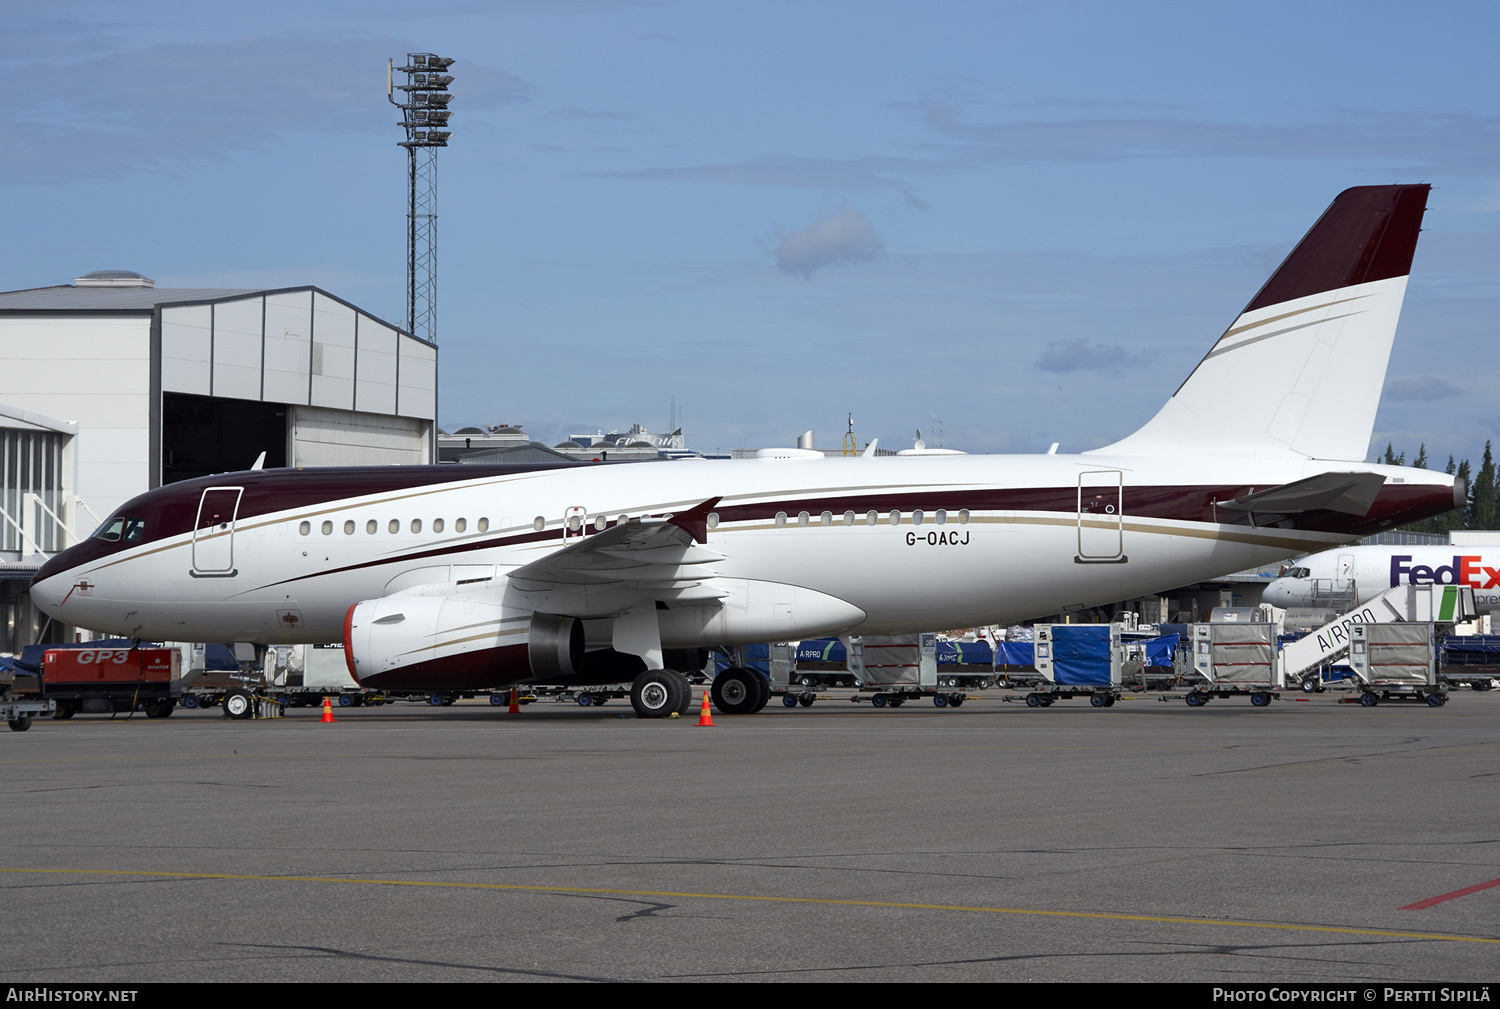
(1465, 570)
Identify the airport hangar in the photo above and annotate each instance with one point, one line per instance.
(112, 386)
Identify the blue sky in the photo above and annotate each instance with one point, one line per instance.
(1028, 221)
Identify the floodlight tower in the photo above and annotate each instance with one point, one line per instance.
(424, 116)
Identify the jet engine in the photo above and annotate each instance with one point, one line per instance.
(432, 642)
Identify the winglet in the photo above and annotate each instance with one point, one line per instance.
(694, 521)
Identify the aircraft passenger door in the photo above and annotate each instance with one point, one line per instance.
(213, 532)
(1345, 577)
(1101, 519)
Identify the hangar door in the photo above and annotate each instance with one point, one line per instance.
(322, 437)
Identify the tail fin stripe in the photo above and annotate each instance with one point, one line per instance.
(1287, 315)
(1266, 336)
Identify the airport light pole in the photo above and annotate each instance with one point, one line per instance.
(424, 117)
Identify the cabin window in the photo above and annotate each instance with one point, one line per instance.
(349, 527)
(781, 518)
(416, 525)
(327, 528)
(484, 525)
(713, 520)
(872, 517)
(575, 523)
(459, 525)
(395, 526)
(895, 517)
(963, 516)
(826, 518)
(371, 526)
(305, 528)
(916, 517)
(848, 518)
(539, 523)
(802, 518)
(941, 517)
(437, 525)
(601, 522)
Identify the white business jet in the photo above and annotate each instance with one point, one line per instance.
(451, 578)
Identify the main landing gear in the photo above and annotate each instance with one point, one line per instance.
(660, 693)
(740, 691)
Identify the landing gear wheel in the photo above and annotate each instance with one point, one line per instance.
(1099, 700)
(1368, 700)
(656, 693)
(1260, 699)
(939, 701)
(764, 686)
(686, 704)
(1033, 700)
(239, 704)
(20, 723)
(806, 700)
(956, 700)
(735, 691)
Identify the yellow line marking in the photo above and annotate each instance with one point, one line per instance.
(524, 888)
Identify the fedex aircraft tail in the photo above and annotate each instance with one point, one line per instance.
(1299, 373)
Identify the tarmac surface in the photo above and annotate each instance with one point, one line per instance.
(1145, 842)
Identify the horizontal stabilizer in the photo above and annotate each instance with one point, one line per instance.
(1349, 493)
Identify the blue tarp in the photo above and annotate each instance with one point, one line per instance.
(1015, 653)
(964, 653)
(1080, 654)
(757, 657)
(1160, 651)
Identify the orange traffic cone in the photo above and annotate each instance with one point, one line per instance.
(705, 717)
(515, 702)
(327, 712)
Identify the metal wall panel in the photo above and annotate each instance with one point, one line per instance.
(237, 348)
(187, 349)
(289, 325)
(332, 354)
(418, 396)
(375, 367)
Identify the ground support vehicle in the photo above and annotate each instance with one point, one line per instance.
(19, 708)
(1235, 660)
(1471, 660)
(895, 669)
(821, 663)
(1396, 662)
(112, 680)
(1079, 660)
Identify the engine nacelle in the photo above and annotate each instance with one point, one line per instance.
(432, 642)
(555, 647)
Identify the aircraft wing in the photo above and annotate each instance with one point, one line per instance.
(1349, 493)
(662, 558)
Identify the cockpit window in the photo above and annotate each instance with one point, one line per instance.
(119, 528)
(1297, 573)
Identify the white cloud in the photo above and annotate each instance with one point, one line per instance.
(845, 236)
(1080, 355)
